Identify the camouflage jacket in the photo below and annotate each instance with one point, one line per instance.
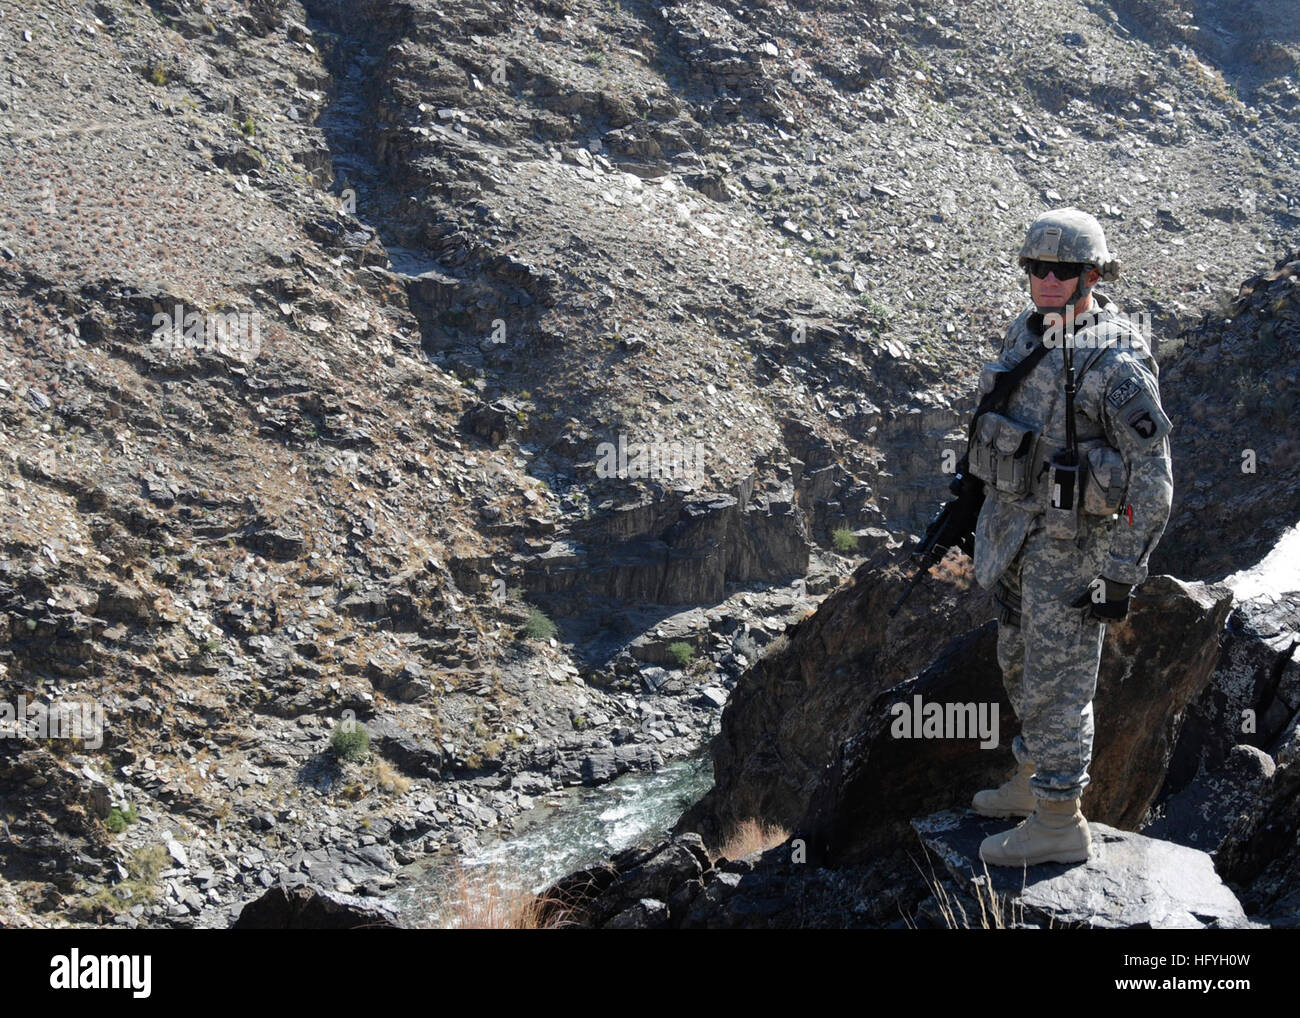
(1117, 405)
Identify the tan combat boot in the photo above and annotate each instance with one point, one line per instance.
(1013, 798)
(1054, 832)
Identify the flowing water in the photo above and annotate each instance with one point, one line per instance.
(587, 826)
(1277, 573)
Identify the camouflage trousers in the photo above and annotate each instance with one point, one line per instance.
(1050, 653)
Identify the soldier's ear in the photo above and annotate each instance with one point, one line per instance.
(1094, 276)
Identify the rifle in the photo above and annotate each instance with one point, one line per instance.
(954, 524)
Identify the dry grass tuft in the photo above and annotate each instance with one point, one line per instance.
(995, 913)
(955, 568)
(386, 777)
(752, 836)
(486, 899)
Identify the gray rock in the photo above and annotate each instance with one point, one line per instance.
(308, 908)
(646, 914)
(177, 852)
(1131, 881)
(1200, 815)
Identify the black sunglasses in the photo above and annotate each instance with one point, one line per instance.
(1063, 270)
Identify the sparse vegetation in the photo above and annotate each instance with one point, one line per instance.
(140, 886)
(994, 913)
(487, 901)
(350, 741)
(120, 818)
(538, 626)
(1251, 390)
(777, 647)
(845, 541)
(752, 836)
(955, 568)
(681, 652)
(386, 777)
(747, 647)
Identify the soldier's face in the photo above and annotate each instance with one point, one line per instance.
(1052, 292)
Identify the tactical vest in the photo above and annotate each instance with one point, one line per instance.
(1011, 451)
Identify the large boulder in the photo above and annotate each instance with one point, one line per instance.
(637, 889)
(309, 908)
(1130, 881)
(806, 740)
(1244, 720)
(813, 690)
(1258, 857)
(1254, 692)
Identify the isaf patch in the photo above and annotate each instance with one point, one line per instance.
(1124, 392)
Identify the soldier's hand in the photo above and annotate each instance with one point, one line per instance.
(1106, 600)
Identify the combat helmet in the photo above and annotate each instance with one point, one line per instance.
(1069, 235)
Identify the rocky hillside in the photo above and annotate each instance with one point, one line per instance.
(471, 251)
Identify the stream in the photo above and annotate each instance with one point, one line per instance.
(1277, 573)
(549, 841)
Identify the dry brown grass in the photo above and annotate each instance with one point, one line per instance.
(386, 777)
(751, 836)
(995, 912)
(956, 569)
(486, 899)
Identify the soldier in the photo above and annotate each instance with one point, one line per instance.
(1063, 545)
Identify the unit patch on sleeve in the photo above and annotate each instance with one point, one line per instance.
(1124, 392)
(1142, 423)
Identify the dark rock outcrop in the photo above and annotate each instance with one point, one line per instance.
(807, 742)
(674, 884)
(1201, 814)
(1259, 856)
(1254, 694)
(791, 711)
(1236, 471)
(1236, 728)
(307, 908)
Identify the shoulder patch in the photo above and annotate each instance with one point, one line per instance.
(1124, 392)
(1142, 423)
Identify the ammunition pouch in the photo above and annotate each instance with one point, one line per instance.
(1001, 454)
(1106, 483)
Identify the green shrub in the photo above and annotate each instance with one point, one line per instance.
(538, 625)
(844, 539)
(350, 741)
(119, 820)
(681, 652)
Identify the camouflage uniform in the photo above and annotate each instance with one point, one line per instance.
(1048, 650)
